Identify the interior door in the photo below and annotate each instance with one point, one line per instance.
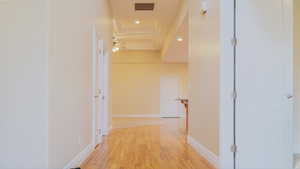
(264, 86)
(99, 91)
(104, 85)
(169, 93)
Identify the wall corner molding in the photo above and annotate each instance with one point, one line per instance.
(212, 158)
(80, 157)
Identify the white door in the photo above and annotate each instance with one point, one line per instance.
(100, 92)
(169, 93)
(264, 86)
(104, 85)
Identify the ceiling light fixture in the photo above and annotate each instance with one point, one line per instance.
(137, 22)
(179, 39)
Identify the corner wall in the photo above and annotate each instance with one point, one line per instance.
(204, 75)
(23, 86)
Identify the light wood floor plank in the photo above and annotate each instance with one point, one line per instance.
(155, 146)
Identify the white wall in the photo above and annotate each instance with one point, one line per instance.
(23, 84)
(70, 75)
(43, 78)
(136, 82)
(204, 75)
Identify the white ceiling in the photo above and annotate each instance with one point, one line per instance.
(151, 33)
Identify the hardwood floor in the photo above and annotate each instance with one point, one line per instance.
(160, 144)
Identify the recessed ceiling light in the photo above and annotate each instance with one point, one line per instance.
(179, 39)
(137, 22)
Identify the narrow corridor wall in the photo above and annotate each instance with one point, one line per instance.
(46, 72)
(70, 75)
(23, 86)
(204, 74)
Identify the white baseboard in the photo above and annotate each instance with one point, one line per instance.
(107, 131)
(204, 152)
(145, 115)
(172, 115)
(136, 116)
(80, 158)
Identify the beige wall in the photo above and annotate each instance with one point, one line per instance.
(297, 71)
(204, 75)
(70, 75)
(136, 81)
(23, 86)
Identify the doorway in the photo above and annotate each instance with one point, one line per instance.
(169, 97)
(100, 88)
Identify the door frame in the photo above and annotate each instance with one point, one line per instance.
(227, 79)
(104, 121)
(226, 133)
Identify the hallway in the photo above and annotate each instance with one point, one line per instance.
(106, 84)
(159, 144)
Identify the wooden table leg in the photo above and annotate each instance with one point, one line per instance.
(187, 119)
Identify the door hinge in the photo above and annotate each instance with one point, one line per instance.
(233, 148)
(98, 132)
(234, 41)
(234, 95)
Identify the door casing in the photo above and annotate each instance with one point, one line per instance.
(227, 77)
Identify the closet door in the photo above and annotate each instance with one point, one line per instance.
(264, 86)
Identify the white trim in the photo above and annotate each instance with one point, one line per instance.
(172, 115)
(136, 115)
(80, 157)
(226, 78)
(203, 151)
(144, 115)
(94, 55)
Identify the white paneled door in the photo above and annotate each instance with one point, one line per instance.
(264, 85)
(169, 94)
